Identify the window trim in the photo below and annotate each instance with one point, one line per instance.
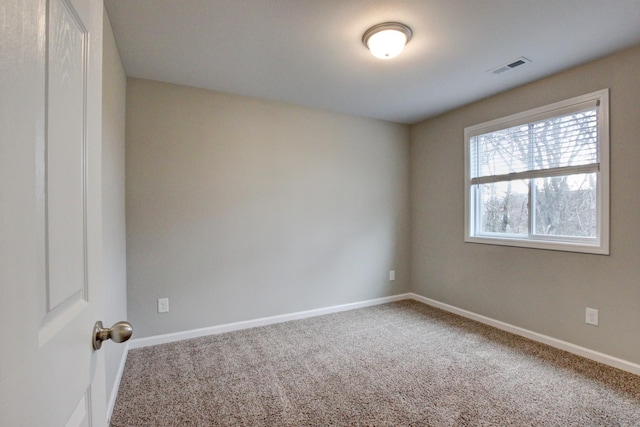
(600, 245)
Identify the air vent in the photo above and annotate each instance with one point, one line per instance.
(509, 66)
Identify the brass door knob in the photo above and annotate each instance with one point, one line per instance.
(119, 332)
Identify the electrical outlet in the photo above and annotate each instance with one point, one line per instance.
(163, 305)
(392, 275)
(591, 316)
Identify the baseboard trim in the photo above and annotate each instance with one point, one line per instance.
(264, 321)
(116, 386)
(545, 339)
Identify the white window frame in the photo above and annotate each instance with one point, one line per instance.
(598, 245)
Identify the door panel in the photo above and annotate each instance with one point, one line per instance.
(50, 212)
(65, 148)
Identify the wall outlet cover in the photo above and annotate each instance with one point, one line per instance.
(591, 316)
(163, 305)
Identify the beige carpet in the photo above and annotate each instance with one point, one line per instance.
(398, 364)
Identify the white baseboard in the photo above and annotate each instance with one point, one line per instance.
(545, 339)
(230, 327)
(116, 386)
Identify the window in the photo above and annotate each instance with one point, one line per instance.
(540, 179)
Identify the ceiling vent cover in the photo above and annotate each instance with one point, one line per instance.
(509, 66)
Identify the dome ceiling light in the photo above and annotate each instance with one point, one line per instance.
(387, 40)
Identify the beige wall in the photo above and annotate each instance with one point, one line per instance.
(544, 291)
(239, 208)
(113, 196)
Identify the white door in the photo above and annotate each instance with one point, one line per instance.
(50, 235)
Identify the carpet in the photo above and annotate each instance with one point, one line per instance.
(398, 364)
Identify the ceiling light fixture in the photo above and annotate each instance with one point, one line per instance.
(387, 40)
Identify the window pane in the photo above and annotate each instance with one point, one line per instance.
(501, 152)
(570, 140)
(562, 141)
(566, 205)
(504, 207)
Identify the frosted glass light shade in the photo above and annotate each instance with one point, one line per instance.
(386, 40)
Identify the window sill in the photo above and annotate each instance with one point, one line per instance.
(595, 248)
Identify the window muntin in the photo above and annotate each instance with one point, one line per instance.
(540, 178)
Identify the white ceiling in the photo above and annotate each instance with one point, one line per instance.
(309, 52)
